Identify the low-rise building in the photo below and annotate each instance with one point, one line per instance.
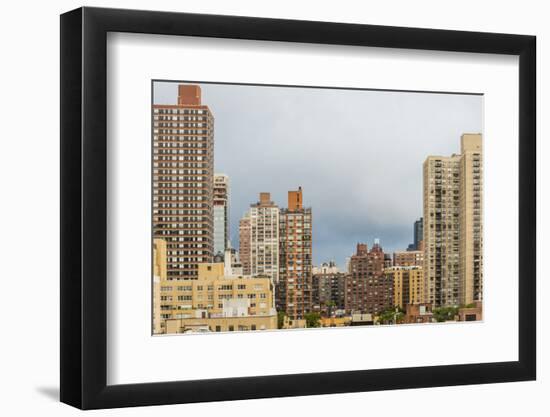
(418, 313)
(335, 321)
(362, 319)
(217, 302)
(472, 312)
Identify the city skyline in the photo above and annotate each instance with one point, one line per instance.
(201, 284)
(392, 179)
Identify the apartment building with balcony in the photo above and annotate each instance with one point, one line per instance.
(259, 239)
(453, 225)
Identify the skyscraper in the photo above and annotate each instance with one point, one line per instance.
(244, 243)
(368, 289)
(471, 219)
(259, 230)
(418, 233)
(183, 179)
(221, 213)
(453, 229)
(294, 289)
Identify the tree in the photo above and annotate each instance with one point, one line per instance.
(329, 306)
(313, 320)
(442, 314)
(280, 319)
(392, 315)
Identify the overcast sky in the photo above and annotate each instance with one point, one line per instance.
(357, 154)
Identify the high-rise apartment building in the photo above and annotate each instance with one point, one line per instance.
(221, 213)
(183, 180)
(368, 289)
(453, 229)
(294, 289)
(408, 284)
(259, 234)
(244, 243)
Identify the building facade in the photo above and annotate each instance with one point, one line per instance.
(408, 258)
(215, 302)
(259, 233)
(328, 289)
(408, 284)
(471, 219)
(183, 178)
(453, 230)
(418, 233)
(294, 289)
(244, 244)
(368, 290)
(159, 276)
(221, 213)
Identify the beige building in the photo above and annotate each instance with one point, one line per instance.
(408, 258)
(215, 302)
(453, 229)
(408, 284)
(159, 275)
(183, 180)
(259, 234)
(471, 220)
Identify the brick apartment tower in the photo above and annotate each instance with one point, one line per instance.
(368, 289)
(183, 170)
(328, 289)
(294, 290)
(453, 225)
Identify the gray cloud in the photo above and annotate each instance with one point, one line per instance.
(357, 154)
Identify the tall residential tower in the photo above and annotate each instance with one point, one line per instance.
(221, 213)
(453, 230)
(183, 179)
(259, 239)
(294, 290)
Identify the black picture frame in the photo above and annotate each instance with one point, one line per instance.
(84, 207)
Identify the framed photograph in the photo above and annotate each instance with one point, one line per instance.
(259, 208)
